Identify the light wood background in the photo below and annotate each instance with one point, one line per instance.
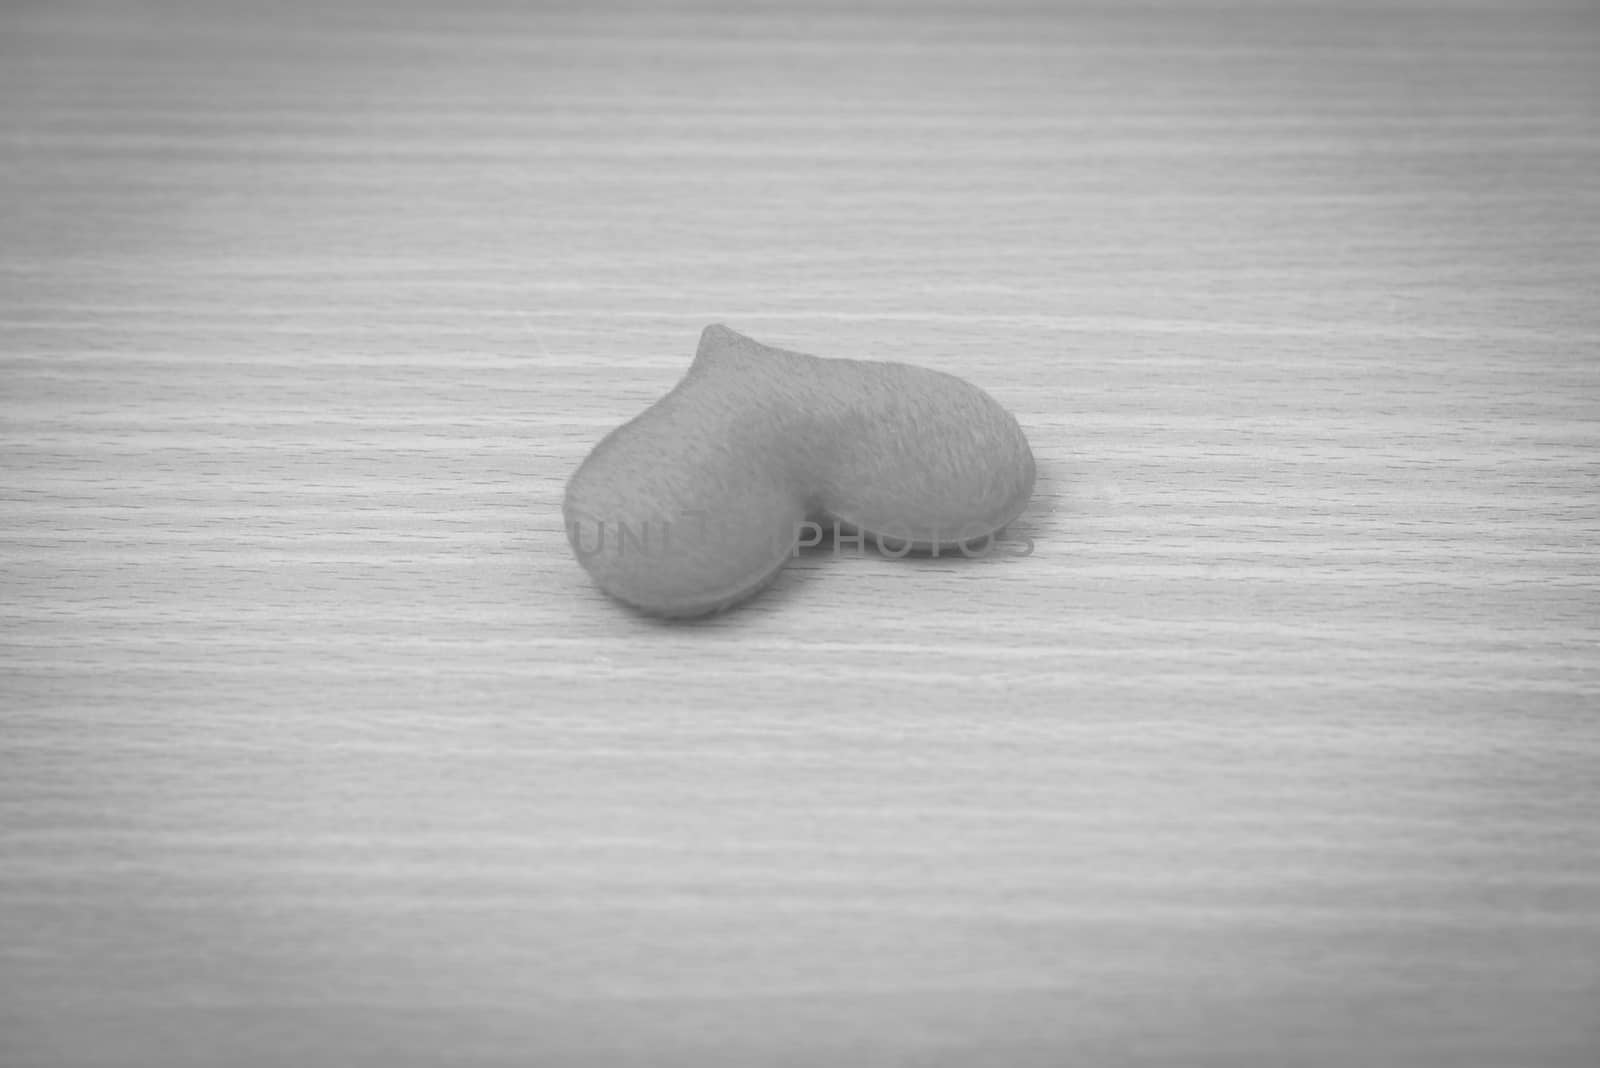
(1281, 748)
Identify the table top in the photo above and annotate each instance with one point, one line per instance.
(1280, 746)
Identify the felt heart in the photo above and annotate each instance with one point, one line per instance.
(697, 502)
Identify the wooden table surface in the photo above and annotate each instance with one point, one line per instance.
(1281, 747)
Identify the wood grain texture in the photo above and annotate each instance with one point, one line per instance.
(317, 748)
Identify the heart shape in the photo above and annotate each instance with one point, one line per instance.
(697, 502)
